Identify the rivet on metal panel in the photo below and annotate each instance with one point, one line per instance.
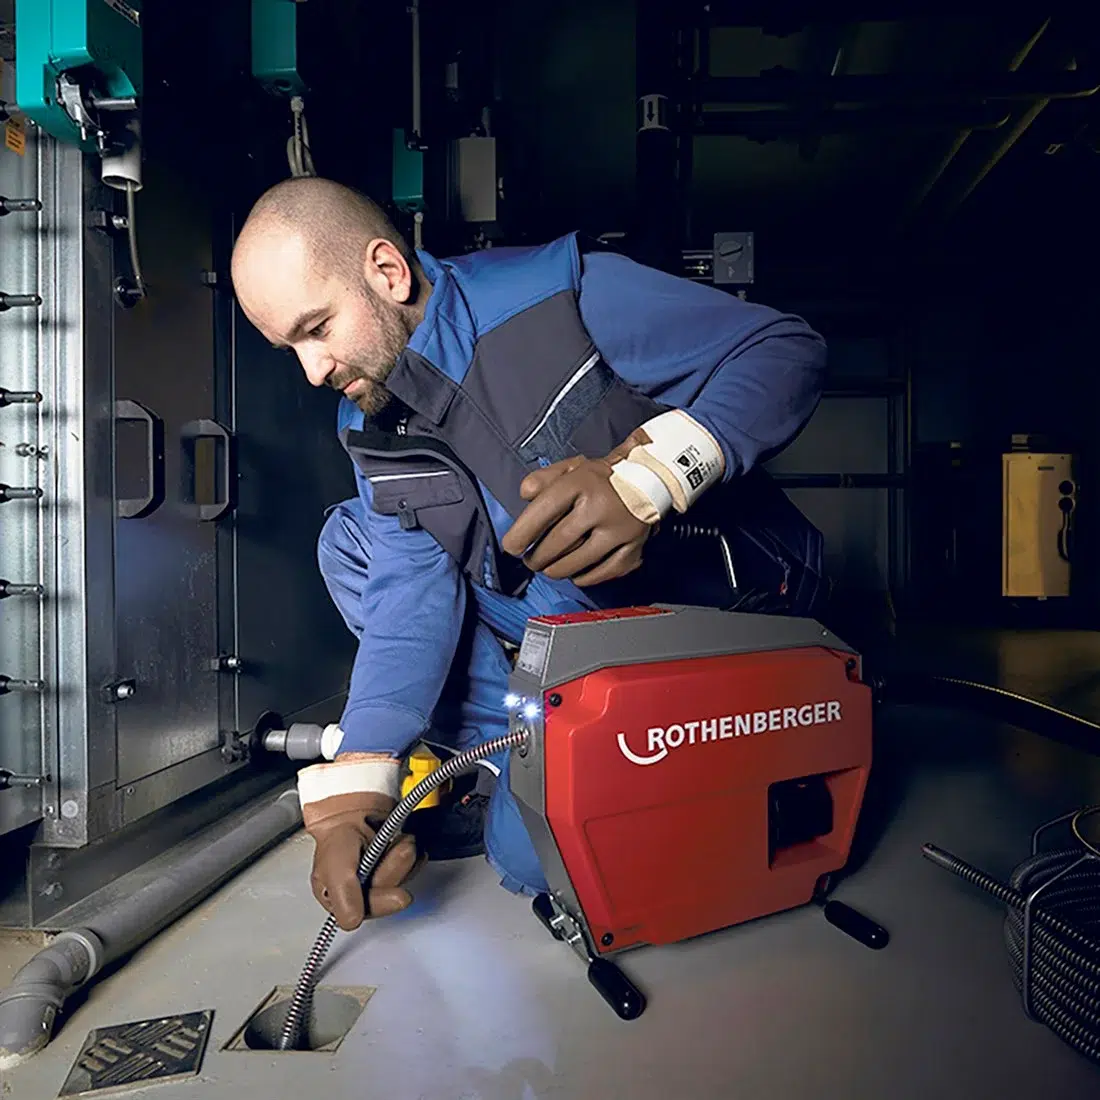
(29, 450)
(8, 588)
(17, 397)
(9, 684)
(18, 206)
(119, 691)
(8, 780)
(9, 492)
(18, 301)
(107, 222)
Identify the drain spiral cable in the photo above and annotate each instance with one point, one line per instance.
(1052, 932)
(302, 999)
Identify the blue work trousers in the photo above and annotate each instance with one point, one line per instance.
(471, 709)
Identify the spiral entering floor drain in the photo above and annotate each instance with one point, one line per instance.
(335, 1011)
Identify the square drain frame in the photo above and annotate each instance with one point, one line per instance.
(360, 993)
(139, 1054)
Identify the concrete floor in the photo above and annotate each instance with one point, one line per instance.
(475, 1001)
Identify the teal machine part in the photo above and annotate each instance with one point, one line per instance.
(408, 175)
(275, 47)
(77, 64)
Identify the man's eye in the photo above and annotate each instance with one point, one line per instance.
(318, 331)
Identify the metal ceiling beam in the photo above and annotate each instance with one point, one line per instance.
(964, 191)
(939, 170)
(770, 125)
(789, 18)
(788, 88)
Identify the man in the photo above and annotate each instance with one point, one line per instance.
(527, 427)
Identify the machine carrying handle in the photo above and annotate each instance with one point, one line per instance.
(190, 433)
(137, 507)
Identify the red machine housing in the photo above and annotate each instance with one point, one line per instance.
(661, 783)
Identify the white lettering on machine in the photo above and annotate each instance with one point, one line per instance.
(660, 740)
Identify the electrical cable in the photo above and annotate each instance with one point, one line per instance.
(297, 147)
(1056, 962)
(302, 998)
(131, 233)
(1065, 547)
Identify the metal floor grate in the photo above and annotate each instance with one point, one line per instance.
(137, 1054)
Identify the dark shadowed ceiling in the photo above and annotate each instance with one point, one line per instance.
(937, 128)
(838, 133)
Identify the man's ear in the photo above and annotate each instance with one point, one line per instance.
(387, 271)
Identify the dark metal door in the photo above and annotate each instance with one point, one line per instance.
(166, 561)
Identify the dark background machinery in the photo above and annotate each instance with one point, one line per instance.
(919, 187)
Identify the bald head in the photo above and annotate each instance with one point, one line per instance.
(320, 269)
(335, 223)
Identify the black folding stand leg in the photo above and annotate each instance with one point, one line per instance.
(624, 997)
(848, 920)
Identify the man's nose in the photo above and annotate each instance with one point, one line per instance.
(317, 365)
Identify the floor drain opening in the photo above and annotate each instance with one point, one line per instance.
(333, 1014)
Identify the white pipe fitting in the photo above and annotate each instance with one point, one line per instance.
(121, 170)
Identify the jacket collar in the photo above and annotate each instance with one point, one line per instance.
(434, 362)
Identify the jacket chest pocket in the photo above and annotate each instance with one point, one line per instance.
(413, 493)
(590, 414)
(548, 439)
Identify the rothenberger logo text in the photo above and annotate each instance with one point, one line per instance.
(661, 740)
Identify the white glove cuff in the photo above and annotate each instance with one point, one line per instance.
(684, 453)
(641, 490)
(321, 781)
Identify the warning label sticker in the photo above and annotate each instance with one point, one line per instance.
(533, 653)
(15, 136)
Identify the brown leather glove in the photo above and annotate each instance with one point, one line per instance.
(342, 825)
(578, 523)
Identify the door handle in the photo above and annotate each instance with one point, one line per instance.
(137, 507)
(190, 434)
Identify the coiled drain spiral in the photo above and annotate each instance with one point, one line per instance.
(302, 998)
(1056, 961)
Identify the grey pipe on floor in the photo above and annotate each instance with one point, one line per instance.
(29, 1006)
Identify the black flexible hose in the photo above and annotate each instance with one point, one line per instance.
(302, 999)
(1065, 963)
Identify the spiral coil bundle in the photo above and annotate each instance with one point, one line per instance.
(1052, 930)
